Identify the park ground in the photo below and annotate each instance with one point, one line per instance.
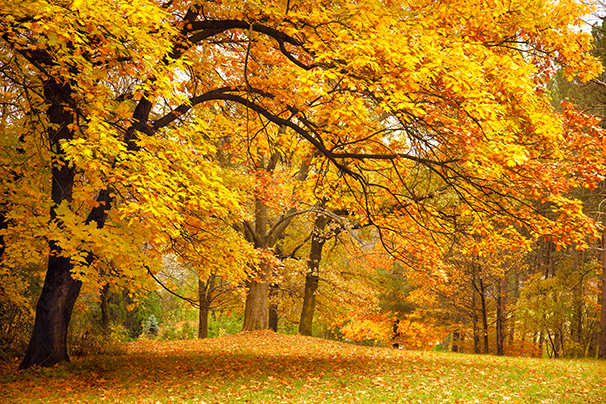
(264, 367)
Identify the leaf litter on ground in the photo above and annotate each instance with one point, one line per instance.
(265, 367)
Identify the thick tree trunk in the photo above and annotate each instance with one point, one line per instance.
(312, 277)
(256, 314)
(257, 300)
(256, 311)
(602, 347)
(48, 343)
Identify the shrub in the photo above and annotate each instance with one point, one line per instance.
(151, 326)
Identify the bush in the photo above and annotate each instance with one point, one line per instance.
(224, 324)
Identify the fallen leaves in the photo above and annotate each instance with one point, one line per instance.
(264, 367)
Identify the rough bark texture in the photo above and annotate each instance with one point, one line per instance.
(48, 344)
(257, 299)
(312, 277)
(256, 310)
(602, 348)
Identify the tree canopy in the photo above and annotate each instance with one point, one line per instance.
(133, 129)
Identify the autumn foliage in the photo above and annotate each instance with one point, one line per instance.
(203, 130)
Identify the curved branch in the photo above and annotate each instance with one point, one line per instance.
(209, 28)
(194, 303)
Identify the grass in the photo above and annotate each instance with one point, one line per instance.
(264, 367)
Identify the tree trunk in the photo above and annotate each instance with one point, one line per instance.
(256, 309)
(273, 317)
(515, 296)
(474, 321)
(48, 343)
(602, 347)
(105, 308)
(484, 316)
(257, 300)
(204, 298)
(309, 304)
(501, 317)
(312, 277)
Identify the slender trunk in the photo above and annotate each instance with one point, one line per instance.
(273, 317)
(309, 304)
(203, 321)
(474, 320)
(602, 343)
(3, 226)
(105, 308)
(484, 315)
(515, 296)
(576, 331)
(312, 277)
(499, 325)
(204, 298)
(501, 316)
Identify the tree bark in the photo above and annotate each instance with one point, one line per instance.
(501, 316)
(257, 299)
(474, 320)
(484, 315)
(256, 314)
(48, 343)
(273, 317)
(313, 275)
(500, 322)
(205, 290)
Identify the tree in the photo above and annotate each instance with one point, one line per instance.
(116, 92)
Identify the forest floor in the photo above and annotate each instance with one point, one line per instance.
(264, 367)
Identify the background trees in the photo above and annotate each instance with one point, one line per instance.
(139, 128)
